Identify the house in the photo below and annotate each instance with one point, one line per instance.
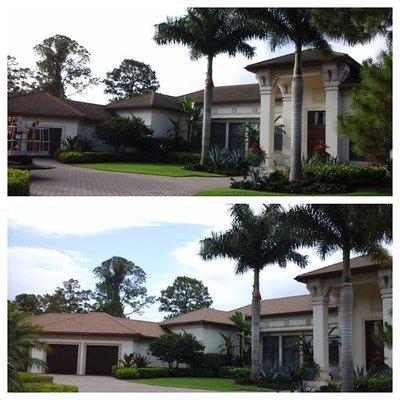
(328, 82)
(91, 343)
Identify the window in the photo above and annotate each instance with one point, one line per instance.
(334, 351)
(236, 136)
(278, 137)
(290, 352)
(271, 349)
(217, 137)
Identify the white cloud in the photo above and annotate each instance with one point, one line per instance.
(39, 270)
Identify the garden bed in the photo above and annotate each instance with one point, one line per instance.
(19, 182)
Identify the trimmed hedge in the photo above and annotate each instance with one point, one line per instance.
(48, 387)
(242, 376)
(121, 372)
(19, 182)
(86, 157)
(376, 383)
(29, 377)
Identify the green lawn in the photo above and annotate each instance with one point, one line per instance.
(214, 384)
(147, 168)
(377, 191)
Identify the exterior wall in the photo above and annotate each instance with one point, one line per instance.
(235, 111)
(145, 115)
(161, 124)
(86, 130)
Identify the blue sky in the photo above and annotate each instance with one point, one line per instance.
(53, 240)
(129, 35)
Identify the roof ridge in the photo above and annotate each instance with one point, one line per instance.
(68, 316)
(86, 102)
(62, 101)
(119, 322)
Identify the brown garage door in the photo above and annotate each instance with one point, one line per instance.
(100, 359)
(62, 359)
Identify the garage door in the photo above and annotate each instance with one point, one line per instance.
(62, 359)
(100, 359)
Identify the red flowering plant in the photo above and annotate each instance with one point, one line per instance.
(255, 155)
(320, 155)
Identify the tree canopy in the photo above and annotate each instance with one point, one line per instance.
(132, 78)
(19, 80)
(184, 295)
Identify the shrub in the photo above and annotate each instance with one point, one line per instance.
(242, 376)
(376, 383)
(18, 182)
(126, 360)
(48, 387)
(210, 362)
(121, 372)
(331, 387)
(29, 377)
(181, 372)
(227, 372)
(181, 157)
(147, 373)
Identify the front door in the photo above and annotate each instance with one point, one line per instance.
(315, 130)
(55, 140)
(374, 357)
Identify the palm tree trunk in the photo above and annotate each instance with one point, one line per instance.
(297, 105)
(255, 328)
(208, 95)
(346, 325)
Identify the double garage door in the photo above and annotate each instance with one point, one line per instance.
(63, 359)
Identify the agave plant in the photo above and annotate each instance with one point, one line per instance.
(141, 361)
(71, 142)
(127, 360)
(85, 144)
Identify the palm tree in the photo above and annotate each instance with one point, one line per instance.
(359, 228)
(207, 32)
(243, 329)
(304, 28)
(254, 241)
(22, 338)
(192, 113)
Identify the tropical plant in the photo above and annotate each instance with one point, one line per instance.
(193, 116)
(141, 361)
(126, 360)
(307, 27)
(22, 339)
(348, 228)
(207, 32)
(86, 144)
(228, 346)
(384, 337)
(243, 330)
(70, 143)
(254, 241)
(176, 131)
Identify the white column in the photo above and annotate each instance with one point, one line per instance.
(320, 301)
(41, 355)
(331, 81)
(267, 116)
(286, 118)
(385, 284)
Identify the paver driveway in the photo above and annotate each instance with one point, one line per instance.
(89, 383)
(67, 180)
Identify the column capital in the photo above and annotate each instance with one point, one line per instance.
(385, 281)
(319, 290)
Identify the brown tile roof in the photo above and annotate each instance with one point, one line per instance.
(205, 315)
(149, 100)
(310, 57)
(357, 264)
(282, 305)
(43, 104)
(95, 323)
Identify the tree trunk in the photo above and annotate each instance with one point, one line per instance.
(208, 96)
(241, 350)
(297, 105)
(255, 328)
(346, 325)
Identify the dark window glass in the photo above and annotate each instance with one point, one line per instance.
(271, 349)
(217, 137)
(290, 352)
(278, 137)
(334, 351)
(236, 136)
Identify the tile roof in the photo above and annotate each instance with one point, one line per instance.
(44, 104)
(95, 323)
(357, 264)
(149, 100)
(309, 57)
(205, 315)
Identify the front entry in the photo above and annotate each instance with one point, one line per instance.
(315, 130)
(100, 359)
(374, 356)
(55, 140)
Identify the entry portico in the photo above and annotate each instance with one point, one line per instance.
(327, 93)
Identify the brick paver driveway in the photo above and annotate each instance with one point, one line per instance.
(88, 383)
(67, 180)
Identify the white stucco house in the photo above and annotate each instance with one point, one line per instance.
(91, 343)
(327, 93)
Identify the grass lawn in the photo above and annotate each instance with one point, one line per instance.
(147, 168)
(376, 191)
(214, 384)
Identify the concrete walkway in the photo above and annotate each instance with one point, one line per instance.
(67, 180)
(87, 383)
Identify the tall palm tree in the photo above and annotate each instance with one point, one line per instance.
(305, 28)
(254, 241)
(359, 228)
(207, 32)
(22, 338)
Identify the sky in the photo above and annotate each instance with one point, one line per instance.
(124, 29)
(52, 242)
